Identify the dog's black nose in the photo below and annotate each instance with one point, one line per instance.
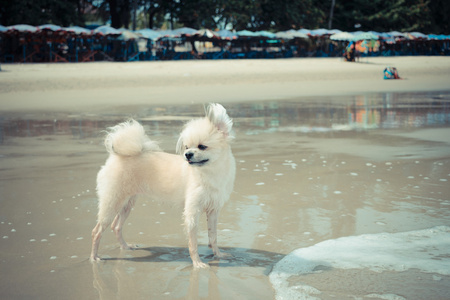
(189, 155)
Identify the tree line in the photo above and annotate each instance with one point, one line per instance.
(427, 16)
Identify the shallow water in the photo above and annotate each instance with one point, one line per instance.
(309, 170)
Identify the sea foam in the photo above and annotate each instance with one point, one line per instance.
(425, 250)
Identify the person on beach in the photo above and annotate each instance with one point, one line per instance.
(350, 52)
(391, 73)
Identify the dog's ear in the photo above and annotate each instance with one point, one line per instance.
(180, 145)
(217, 114)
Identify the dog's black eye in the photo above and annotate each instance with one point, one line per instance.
(202, 147)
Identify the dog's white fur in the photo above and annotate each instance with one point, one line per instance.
(201, 178)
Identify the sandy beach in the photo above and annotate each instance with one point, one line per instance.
(341, 191)
(99, 85)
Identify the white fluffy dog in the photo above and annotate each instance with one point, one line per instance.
(201, 177)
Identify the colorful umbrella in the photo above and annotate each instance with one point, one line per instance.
(23, 28)
(149, 34)
(107, 30)
(290, 34)
(184, 31)
(50, 27)
(77, 30)
(227, 34)
(206, 33)
(366, 36)
(343, 36)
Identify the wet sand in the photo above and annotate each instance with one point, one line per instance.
(324, 149)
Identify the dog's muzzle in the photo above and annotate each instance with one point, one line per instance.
(190, 155)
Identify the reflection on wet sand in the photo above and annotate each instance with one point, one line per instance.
(307, 171)
(118, 282)
(386, 111)
(133, 275)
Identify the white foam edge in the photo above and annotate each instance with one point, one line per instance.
(425, 250)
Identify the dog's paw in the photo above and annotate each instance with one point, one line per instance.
(200, 265)
(95, 259)
(128, 247)
(223, 255)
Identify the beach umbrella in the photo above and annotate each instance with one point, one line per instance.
(355, 33)
(127, 35)
(440, 37)
(418, 35)
(184, 31)
(246, 33)
(206, 34)
(384, 35)
(396, 34)
(149, 34)
(167, 33)
(390, 40)
(319, 32)
(290, 35)
(259, 34)
(107, 30)
(23, 28)
(375, 33)
(334, 31)
(80, 33)
(77, 30)
(50, 27)
(366, 36)
(342, 36)
(266, 34)
(227, 34)
(305, 31)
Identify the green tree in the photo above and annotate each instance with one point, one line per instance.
(239, 14)
(439, 14)
(290, 14)
(155, 11)
(196, 13)
(383, 15)
(117, 11)
(428, 16)
(38, 12)
(249, 14)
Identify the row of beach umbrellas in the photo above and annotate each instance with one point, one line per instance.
(333, 34)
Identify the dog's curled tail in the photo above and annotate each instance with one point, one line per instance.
(129, 139)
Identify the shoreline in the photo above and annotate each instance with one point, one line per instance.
(94, 86)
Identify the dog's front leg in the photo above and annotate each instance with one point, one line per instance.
(213, 217)
(193, 250)
(191, 218)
